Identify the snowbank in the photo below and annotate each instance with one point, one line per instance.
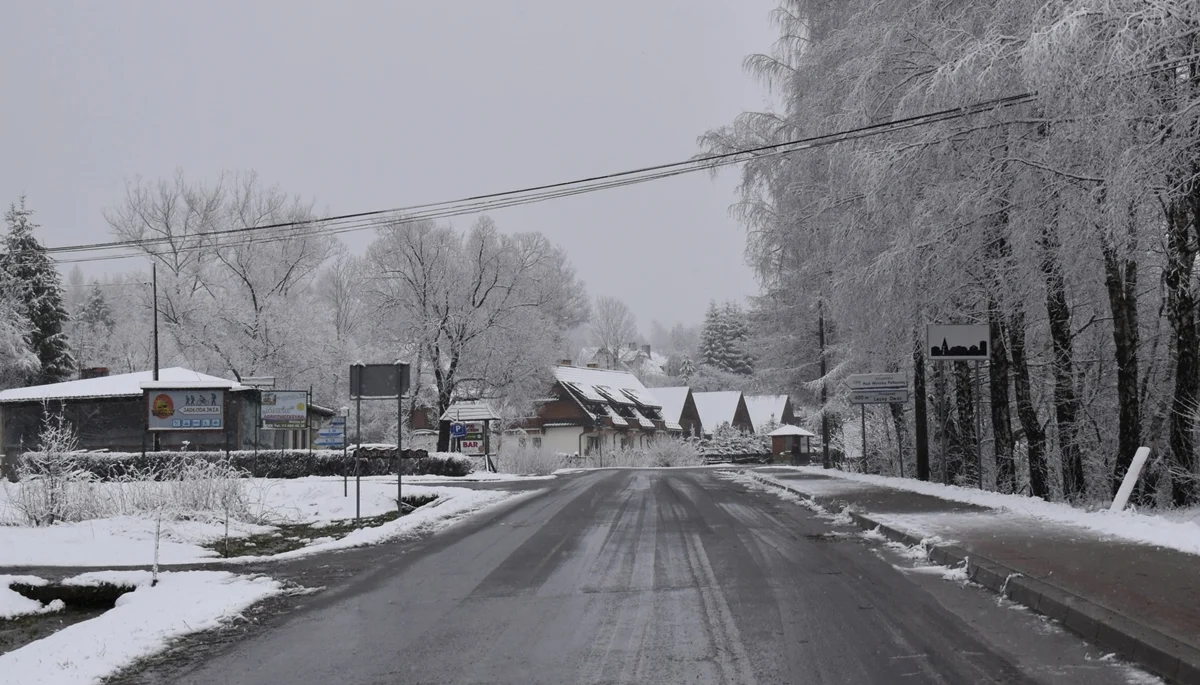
(13, 604)
(142, 623)
(1183, 534)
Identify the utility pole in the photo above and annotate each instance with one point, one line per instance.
(824, 385)
(154, 287)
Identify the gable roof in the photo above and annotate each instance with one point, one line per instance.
(617, 396)
(791, 430)
(120, 385)
(469, 410)
(716, 408)
(672, 400)
(763, 407)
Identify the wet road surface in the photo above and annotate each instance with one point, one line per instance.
(651, 576)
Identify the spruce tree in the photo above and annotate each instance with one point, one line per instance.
(94, 326)
(39, 293)
(737, 356)
(710, 336)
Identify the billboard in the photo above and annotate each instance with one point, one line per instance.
(284, 409)
(187, 410)
(959, 342)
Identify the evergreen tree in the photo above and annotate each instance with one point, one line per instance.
(18, 363)
(710, 336)
(686, 368)
(39, 293)
(737, 331)
(94, 326)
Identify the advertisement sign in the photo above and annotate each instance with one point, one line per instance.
(187, 410)
(284, 409)
(471, 446)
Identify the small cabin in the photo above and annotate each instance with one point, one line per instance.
(792, 445)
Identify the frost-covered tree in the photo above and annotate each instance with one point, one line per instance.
(480, 313)
(18, 363)
(724, 339)
(612, 326)
(234, 297)
(92, 326)
(37, 286)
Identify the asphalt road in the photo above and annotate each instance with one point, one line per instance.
(652, 576)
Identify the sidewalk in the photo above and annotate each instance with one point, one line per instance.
(1140, 600)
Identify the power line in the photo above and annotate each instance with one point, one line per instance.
(358, 221)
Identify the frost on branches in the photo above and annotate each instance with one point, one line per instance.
(1067, 222)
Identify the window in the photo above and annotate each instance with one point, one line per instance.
(537, 443)
(626, 442)
(521, 442)
(593, 445)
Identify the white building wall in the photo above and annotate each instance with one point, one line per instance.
(564, 439)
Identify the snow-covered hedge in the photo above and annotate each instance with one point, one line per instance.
(732, 444)
(266, 464)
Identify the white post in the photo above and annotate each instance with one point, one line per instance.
(1131, 476)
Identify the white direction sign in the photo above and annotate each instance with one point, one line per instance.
(959, 342)
(879, 396)
(877, 381)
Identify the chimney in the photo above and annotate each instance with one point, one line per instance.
(93, 372)
(593, 365)
(564, 362)
(646, 350)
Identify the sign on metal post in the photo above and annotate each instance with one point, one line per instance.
(284, 409)
(959, 342)
(879, 396)
(458, 430)
(189, 410)
(378, 381)
(877, 381)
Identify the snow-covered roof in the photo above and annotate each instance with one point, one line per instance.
(587, 381)
(120, 385)
(654, 364)
(716, 408)
(672, 400)
(764, 408)
(791, 430)
(470, 410)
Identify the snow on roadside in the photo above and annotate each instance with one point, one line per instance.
(13, 604)
(142, 623)
(129, 540)
(1145, 528)
(476, 477)
(449, 509)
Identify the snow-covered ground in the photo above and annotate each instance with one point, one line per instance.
(129, 540)
(13, 605)
(143, 622)
(1175, 529)
(476, 476)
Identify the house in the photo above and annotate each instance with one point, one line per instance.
(679, 408)
(593, 411)
(718, 408)
(770, 409)
(113, 413)
(638, 360)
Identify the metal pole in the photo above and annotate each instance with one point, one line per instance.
(945, 420)
(900, 451)
(308, 420)
(864, 437)
(824, 385)
(357, 449)
(400, 433)
(979, 422)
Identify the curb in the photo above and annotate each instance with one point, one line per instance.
(1166, 657)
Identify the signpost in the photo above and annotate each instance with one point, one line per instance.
(877, 388)
(954, 343)
(458, 430)
(284, 409)
(378, 382)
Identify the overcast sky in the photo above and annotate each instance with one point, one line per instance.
(371, 105)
